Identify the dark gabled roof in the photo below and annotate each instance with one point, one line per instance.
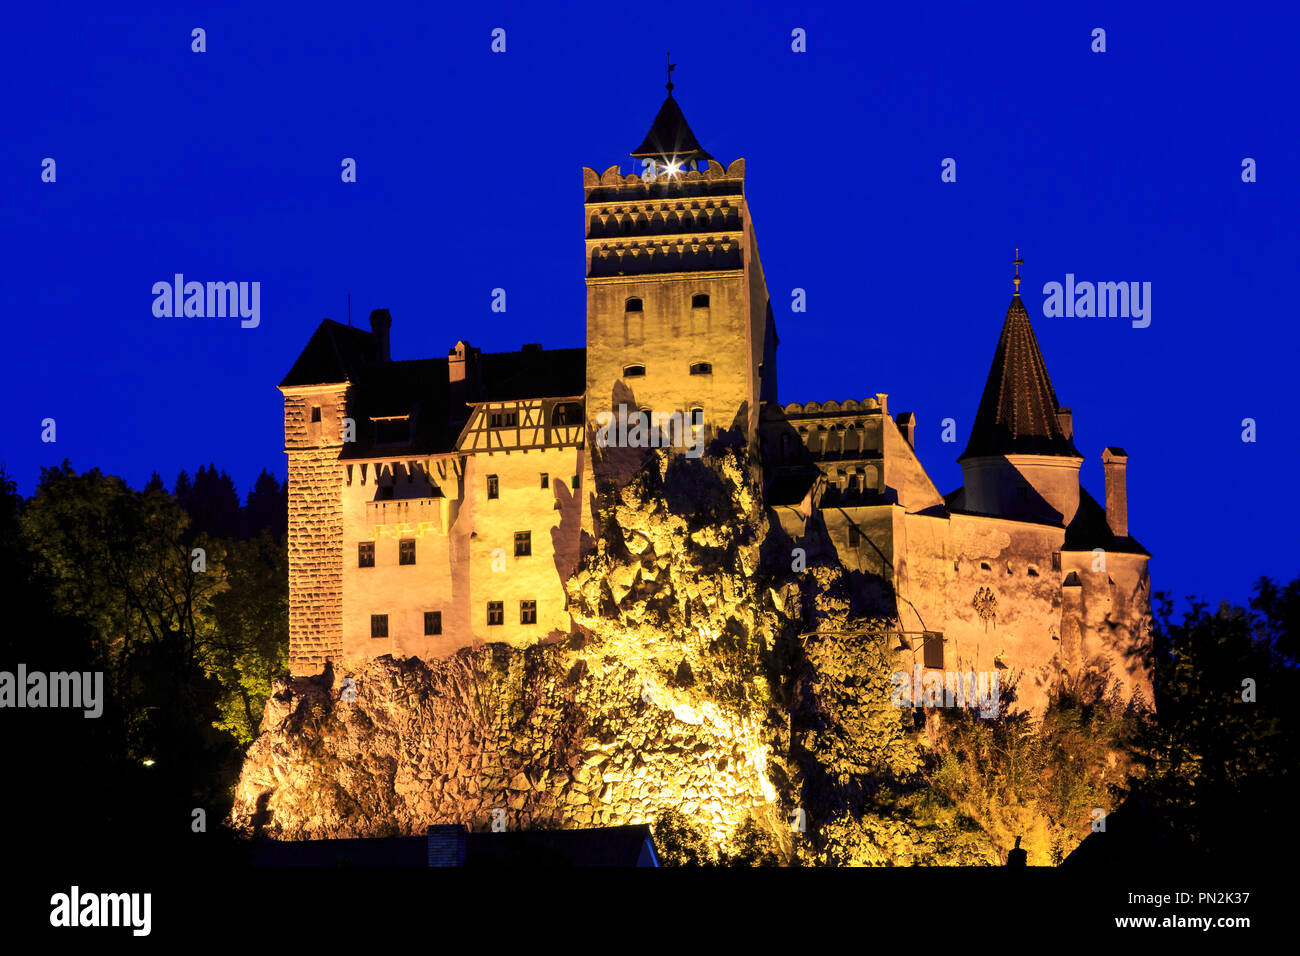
(334, 354)
(417, 388)
(1018, 412)
(533, 373)
(1090, 530)
(670, 136)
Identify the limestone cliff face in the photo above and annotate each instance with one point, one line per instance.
(662, 699)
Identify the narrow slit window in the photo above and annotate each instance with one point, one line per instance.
(546, 480)
(494, 488)
(315, 413)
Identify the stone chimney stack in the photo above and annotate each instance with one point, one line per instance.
(457, 359)
(380, 324)
(1065, 418)
(906, 422)
(1115, 461)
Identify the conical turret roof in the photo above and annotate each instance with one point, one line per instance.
(670, 137)
(1018, 412)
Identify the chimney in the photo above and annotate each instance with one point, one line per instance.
(380, 323)
(456, 360)
(906, 422)
(1065, 418)
(1115, 462)
(447, 844)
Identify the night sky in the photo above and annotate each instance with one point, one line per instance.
(225, 166)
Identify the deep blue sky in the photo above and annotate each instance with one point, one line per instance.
(225, 166)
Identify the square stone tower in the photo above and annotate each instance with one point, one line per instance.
(678, 317)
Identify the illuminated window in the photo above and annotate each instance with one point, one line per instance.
(379, 625)
(496, 613)
(700, 301)
(406, 551)
(494, 488)
(633, 371)
(432, 622)
(366, 554)
(702, 368)
(527, 612)
(523, 544)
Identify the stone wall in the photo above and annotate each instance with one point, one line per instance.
(315, 528)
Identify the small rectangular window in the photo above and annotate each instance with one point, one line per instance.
(1056, 560)
(379, 625)
(633, 371)
(366, 554)
(496, 613)
(315, 413)
(527, 612)
(700, 301)
(432, 622)
(702, 368)
(406, 551)
(496, 420)
(493, 488)
(546, 480)
(523, 544)
(512, 419)
(575, 482)
(933, 650)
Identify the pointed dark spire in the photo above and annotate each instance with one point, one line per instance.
(1018, 413)
(670, 138)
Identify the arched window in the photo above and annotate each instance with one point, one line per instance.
(633, 371)
(633, 305)
(700, 301)
(702, 368)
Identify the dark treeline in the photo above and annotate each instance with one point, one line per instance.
(180, 598)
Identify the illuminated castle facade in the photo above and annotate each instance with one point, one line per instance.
(439, 503)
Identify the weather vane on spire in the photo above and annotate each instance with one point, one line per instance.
(671, 66)
(1018, 263)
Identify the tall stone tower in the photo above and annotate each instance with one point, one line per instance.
(678, 318)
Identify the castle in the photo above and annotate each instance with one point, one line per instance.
(438, 503)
